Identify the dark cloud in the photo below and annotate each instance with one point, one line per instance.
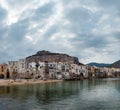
(18, 31)
(54, 29)
(90, 41)
(3, 14)
(78, 15)
(110, 6)
(109, 3)
(15, 3)
(3, 28)
(43, 12)
(78, 18)
(116, 35)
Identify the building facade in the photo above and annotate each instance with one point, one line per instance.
(4, 71)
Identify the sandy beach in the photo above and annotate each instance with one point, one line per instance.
(11, 82)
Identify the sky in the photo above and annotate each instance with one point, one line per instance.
(87, 29)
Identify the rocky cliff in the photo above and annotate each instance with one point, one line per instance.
(116, 64)
(52, 57)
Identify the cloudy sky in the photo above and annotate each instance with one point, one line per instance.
(87, 29)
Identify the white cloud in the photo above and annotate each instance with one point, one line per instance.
(87, 29)
(29, 38)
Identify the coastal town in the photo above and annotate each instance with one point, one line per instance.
(53, 66)
(60, 55)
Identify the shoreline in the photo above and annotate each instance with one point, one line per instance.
(11, 82)
(4, 82)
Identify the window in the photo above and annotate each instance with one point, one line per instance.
(22, 65)
(2, 69)
(63, 68)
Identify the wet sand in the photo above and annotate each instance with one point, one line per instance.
(11, 82)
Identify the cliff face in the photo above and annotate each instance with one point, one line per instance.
(52, 57)
(116, 64)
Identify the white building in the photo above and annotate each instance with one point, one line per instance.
(17, 67)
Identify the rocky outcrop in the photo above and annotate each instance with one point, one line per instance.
(52, 57)
(116, 64)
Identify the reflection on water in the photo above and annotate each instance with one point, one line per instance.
(100, 94)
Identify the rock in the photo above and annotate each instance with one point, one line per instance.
(116, 64)
(52, 57)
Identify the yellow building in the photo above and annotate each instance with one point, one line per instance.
(4, 72)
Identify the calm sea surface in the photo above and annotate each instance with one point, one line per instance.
(99, 94)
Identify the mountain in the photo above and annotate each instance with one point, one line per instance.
(116, 64)
(98, 64)
(52, 57)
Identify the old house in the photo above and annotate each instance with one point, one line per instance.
(17, 68)
(4, 72)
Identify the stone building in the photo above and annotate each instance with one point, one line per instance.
(17, 68)
(13, 68)
(79, 71)
(4, 72)
(22, 68)
(52, 70)
(63, 70)
(91, 72)
(36, 69)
